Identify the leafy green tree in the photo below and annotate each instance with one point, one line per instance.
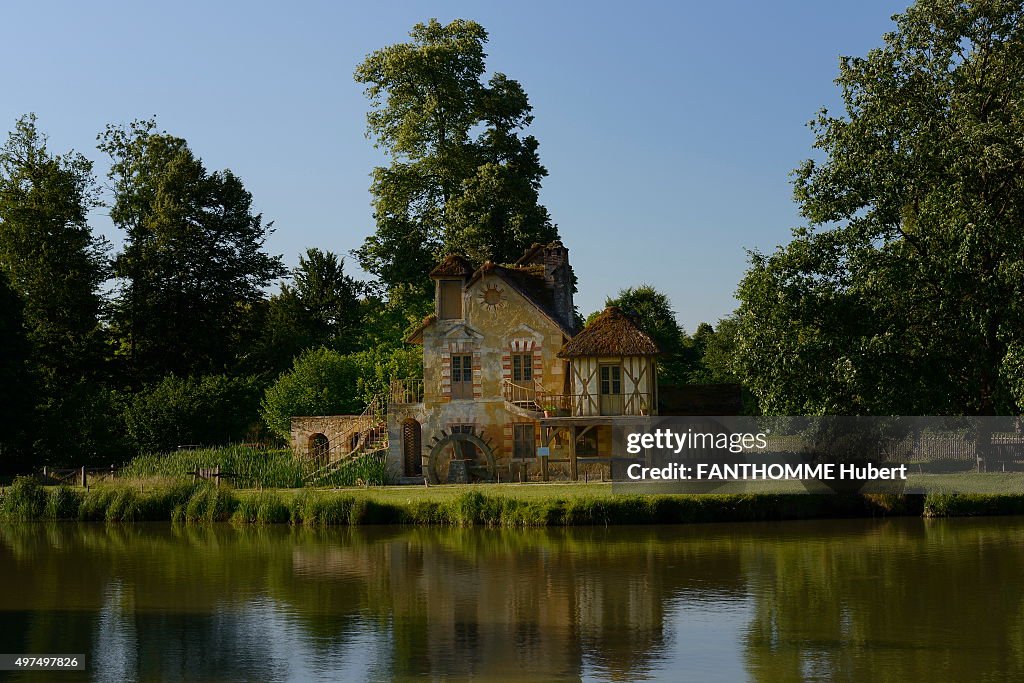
(48, 250)
(17, 401)
(193, 262)
(56, 266)
(209, 410)
(321, 308)
(386, 322)
(903, 293)
(325, 382)
(462, 177)
(713, 350)
(653, 311)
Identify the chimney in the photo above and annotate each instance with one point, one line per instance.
(558, 277)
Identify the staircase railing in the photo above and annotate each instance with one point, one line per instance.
(519, 395)
(369, 430)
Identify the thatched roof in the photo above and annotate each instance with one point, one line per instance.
(613, 333)
(453, 266)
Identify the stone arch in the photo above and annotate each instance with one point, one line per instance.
(319, 448)
(412, 448)
(488, 469)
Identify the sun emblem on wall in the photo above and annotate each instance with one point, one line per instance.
(492, 298)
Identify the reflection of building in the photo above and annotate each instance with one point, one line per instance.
(504, 373)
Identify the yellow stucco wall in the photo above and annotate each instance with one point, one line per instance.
(490, 333)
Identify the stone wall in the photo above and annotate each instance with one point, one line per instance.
(334, 427)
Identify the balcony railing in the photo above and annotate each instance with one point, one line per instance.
(575, 405)
(406, 391)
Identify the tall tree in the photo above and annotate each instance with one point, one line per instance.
(905, 291)
(713, 350)
(193, 261)
(17, 401)
(56, 266)
(462, 177)
(653, 310)
(322, 307)
(49, 253)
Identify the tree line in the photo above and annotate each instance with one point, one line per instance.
(900, 294)
(172, 339)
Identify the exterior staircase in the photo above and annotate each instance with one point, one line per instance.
(369, 431)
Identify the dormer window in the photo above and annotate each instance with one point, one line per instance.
(449, 299)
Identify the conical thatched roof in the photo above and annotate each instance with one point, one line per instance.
(613, 333)
(453, 266)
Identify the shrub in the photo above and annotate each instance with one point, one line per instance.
(191, 410)
(325, 382)
(321, 382)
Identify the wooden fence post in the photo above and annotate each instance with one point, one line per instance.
(544, 468)
(85, 483)
(216, 475)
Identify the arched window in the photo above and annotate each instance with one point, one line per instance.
(319, 448)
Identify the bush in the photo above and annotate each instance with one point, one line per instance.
(321, 382)
(325, 382)
(212, 409)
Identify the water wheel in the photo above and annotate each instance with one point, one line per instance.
(458, 445)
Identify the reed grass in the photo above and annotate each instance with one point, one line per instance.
(970, 505)
(265, 507)
(204, 502)
(250, 467)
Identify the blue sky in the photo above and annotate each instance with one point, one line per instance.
(668, 129)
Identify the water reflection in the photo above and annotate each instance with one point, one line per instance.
(851, 600)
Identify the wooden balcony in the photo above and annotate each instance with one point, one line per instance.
(537, 400)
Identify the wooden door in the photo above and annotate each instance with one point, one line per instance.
(412, 448)
(610, 381)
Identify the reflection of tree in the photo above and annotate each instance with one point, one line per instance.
(469, 602)
(907, 599)
(833, 600)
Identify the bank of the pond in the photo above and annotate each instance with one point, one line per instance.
(522, 506)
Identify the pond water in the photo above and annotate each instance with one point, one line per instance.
(857, 600)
